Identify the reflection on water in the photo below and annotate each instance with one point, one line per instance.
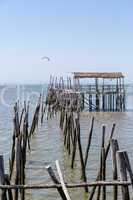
(47, 146)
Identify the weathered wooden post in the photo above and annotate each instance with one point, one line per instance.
(106, 155)
(114, 149)
(81, 154)
(102, 167)
(90, 99)
(123, 174)
(55, 180)
(2, 178)
(97, 95)
(89, 141)
(103, 97)
(128, 166)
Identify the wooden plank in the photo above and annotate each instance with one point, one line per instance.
(62, 180)
(55, 180)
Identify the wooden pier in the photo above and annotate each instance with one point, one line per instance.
(93, 91)
(67, 100)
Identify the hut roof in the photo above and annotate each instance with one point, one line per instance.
(109, 75)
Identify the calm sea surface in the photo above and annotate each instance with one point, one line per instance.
(47, 143)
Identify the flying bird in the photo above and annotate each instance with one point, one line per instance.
(45, 58)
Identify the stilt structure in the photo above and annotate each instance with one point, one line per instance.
(92, 91)
(102, 92)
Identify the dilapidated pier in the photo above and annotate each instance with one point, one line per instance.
(64, 101)
(92, 91)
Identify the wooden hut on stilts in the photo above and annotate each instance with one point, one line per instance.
(102, 92)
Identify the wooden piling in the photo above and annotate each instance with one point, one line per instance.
(89, 141)
(114, 149)
(106, 154)
(123, 174)
(55, 180)
(81, 154)
(128, 167)
(2, 178)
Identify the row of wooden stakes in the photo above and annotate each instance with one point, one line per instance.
(70, 126)
(22, 133)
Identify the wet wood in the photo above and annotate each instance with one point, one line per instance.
(123, 174)
(62, 181)
(114, 149)
(106, 154)
(128, 166)
(68, 185)
(55, 180)
(81, 154)
(89, 141)
(2, 178)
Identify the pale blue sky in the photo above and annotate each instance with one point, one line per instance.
(78, 35)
